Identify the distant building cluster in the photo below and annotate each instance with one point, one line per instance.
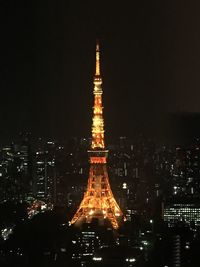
(41, 170)
(147, 179)
(156, 186)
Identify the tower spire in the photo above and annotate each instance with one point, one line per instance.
(97, 73)
(97, 120)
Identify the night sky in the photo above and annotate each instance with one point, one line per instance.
(150, 63)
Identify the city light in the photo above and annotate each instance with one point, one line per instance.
(6, 232)
(97, 258)
(124, 186)
(130, 259)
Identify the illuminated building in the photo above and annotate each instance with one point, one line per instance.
(98, 201)
(15, 171)
(45, 173)
(89, 241)
(7, 191)
(187, 212)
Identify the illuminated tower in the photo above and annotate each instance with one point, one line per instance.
(98, 201)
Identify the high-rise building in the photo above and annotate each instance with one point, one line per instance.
(98, 201)
(16, 171)
(45, 173)
(182, 210)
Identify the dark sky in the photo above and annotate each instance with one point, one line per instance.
(150, 65)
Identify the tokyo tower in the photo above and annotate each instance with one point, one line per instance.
(98, 201)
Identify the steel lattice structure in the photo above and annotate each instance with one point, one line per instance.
(98, 201)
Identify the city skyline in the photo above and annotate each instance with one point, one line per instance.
(149, 51)
(61, 204)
